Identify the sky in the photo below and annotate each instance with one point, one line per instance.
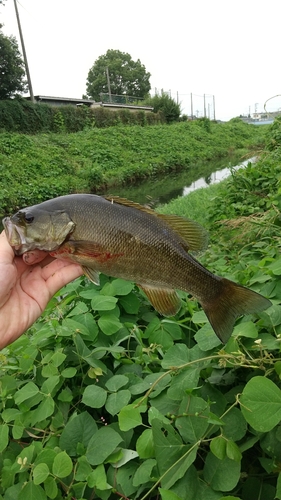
(229, 49)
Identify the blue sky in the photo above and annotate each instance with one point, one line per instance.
(229, 49)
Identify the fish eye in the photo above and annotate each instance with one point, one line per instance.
(28, 218)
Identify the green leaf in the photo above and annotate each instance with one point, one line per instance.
(246, 329)
(102, 444)
(176, 356)
(222, 475)
(130, 417)
(94, 396)
(103, 303)
(43, 411)
(130, 303)
(143, 473)
(117, 287)
(168, 495)
(69, 372)
(193, 426)
(233, 451)
(116, 401)
(126, 456)
(32, 491)
(218, 447)
(173, 458)
(4, 436)
(235, 425)
(109, 324)
(26, 392)
(145, 445)
(116, 382)
(58, 358)
(71, 327)
(80, 308)
(62, 465)
(183, 380)
(40, 473)
(97, 479)
(79, 429)
(206, 338)
(261, 404)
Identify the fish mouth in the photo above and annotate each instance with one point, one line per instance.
(15, 236)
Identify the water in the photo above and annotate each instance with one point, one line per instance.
(161, 190)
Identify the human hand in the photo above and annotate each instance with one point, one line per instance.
(26, 287)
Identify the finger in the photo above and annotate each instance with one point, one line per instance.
(34, 256)
(6, 251)
(59, 273)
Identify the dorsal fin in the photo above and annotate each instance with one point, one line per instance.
(194, 235)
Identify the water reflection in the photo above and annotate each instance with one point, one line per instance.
(214, 178)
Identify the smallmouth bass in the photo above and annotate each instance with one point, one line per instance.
(126, 240)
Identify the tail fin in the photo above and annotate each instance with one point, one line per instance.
(233, 301)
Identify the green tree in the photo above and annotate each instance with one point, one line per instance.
(126, 76)
(12, 71)
(166, 104)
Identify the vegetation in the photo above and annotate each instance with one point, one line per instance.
(12, 71)
(34, 168)
(102, 398)
(19, 115)
(167, 105)
(126, 76)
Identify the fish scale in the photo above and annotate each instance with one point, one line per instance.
(124, 239)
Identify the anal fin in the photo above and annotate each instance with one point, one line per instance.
(165, 300)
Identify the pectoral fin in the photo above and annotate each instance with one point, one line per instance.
(166, 301)
(93, 275)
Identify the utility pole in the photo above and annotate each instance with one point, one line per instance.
(191, 106)
(214, 108)
(108, 84)
(24, 54)
(204, 106)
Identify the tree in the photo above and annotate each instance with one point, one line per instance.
(12, 71)
(166, 104)
(126, 76)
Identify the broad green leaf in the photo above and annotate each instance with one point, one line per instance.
(116, 401)
(102, 444)
(173, 458)
(177, 355)
(79, 429)
(94, 396)
(62, 465)
(109, 324)
(275, 267)
(10, 414)
(183, 380)
(261, 404)
(218, 447)
(26, 392)
(206, 338)
(4, 436)
(116, 382)
(233, 451)
(97, 479)
(222, 475)
(278, 487)
(103, 303)
(43, 411)
(235, 425)
(40, 473)
(246, 329)
(69, 372)
(117, 287)
(58, 358)
(130, 417)
(49, 384)
(72, 327)
(143, 473)
(145, 445)
(130, 303)
(193, 426)
(31, 491)
(126, 456)
(80, 308)
(46, 457)
(168, 495)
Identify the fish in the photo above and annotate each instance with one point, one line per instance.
(123, 239)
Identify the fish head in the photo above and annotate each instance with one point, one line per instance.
(36, 228)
